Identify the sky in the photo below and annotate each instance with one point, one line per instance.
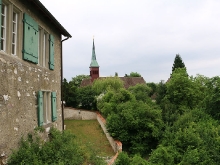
(141, 36)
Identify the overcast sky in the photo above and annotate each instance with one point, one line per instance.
(140, 36)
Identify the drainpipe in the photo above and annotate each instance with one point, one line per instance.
(62, 82)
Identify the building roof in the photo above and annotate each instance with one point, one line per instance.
(128, 81)
(132, 81)
(43, 9)
(93, 63)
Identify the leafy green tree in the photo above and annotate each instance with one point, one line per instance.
(103, 84)
(65, 89)
(178, 63)
(141, 92)
(160, 92)
(181, 94)
(133, 74)
(86, 98)
(137, 125)
(76, 81)
(111, 101)
(71, 98)
(122, 159)
(193, 139)
(138, 160)
(70, 89)
(69, 94)
(153, 87)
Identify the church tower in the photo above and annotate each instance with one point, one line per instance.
(94, 66)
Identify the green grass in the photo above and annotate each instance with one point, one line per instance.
(90, 136)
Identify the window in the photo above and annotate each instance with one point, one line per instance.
(3, 27)
(14, 33)
(43, 47)
(46, 107)
(95, 72)
(10, 30)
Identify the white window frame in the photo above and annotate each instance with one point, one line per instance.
(47, 107)
(43, 47)
(4, 27)
(14, 33)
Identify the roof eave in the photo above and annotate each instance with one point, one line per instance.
(63, 31)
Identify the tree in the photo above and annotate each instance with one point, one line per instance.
(76, 81)
(85, 97)
(110, 102)
(65, 89)
(124, 159)
(141, 92)
(103, 84)
(70, 89)
(137, 125)
(133, 74)
(181, 90)
(160, 92)
(193, 139)
(211, 96)
(181, 94)
(178, 63)
(69, 94)
(153, 87)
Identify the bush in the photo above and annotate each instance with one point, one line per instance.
(60, 149)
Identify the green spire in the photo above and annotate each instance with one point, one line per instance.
(94, 63)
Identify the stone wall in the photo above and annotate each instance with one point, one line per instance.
(116, 145)
(79, 114)
(19, 83)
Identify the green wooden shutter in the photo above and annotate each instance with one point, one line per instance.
(51, 61)
(40, 109)
(0, 24)
(30, 39)
(53, 106)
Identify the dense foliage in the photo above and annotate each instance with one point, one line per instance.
(172, 122)
(85, 97)
(193, 139)
(134, 74)
(132, 118)
(76, 96)
(102, 85)
(124, 159)
(60, 149)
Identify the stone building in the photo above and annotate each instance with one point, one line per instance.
(30, 71)
(94, 74)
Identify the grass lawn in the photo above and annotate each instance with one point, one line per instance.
(90, 135)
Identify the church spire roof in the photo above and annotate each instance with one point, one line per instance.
(93, 63)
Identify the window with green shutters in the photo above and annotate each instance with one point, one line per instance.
(51, 59)
(47, 111)
(30, 39)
